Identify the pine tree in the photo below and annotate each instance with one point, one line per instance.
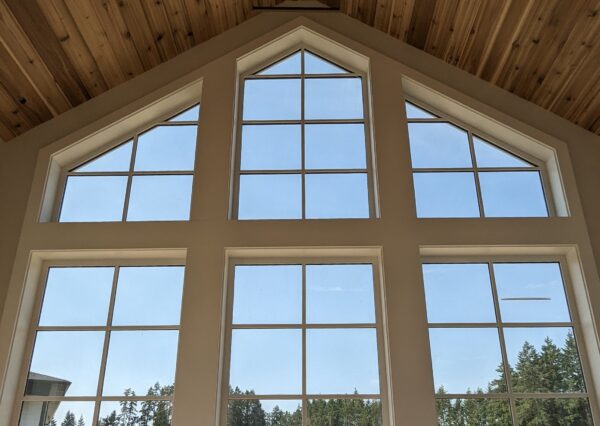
(128, 416)
(81, 422)
(111, 420)
(52, 422)
(69, 419)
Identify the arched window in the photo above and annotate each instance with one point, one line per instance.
(459, 173)
(148, 177)
(304, 146)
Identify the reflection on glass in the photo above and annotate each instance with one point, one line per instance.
(333, 98)
(531, 292)
(169, 148)
(512, 194)
(438, 145)
(466, 360)
(116, 160)
(270, 197)
(93, 199)
(314, 64)
(554, 411)
(339, 294)
(266, 362)
(137, 413)
(272, 99)
(413, 111)
(65, 363)
(139, 359)
(337, 196)
(288, 65)
(160, 198)
(446, 194)
(342, 361)
(335, 146)
(149, 295)
(473, 411)
(363, 412)
(458, 293)
(267, 294)
(543, 359)
(271, 147)
(489, 155)
(76, 296)
(245, 412)
(55, 413)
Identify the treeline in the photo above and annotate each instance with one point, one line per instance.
(332, 412)
(553, 369)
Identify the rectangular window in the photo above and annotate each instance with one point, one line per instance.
(457, 173)
(503, 344)
(303, 149)
(303, 345)
(104, 347)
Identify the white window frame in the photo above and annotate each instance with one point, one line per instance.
(251, 74)
(34, 327)
(472, 131)
(68, 169)
(575, 324)
(379, 326)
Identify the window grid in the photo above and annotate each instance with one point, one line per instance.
(254, 75)
(131, 173)
(499, 325)
(304, 397)
(107, 329)
(475, 169)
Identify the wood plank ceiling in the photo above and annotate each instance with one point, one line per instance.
(56, 54)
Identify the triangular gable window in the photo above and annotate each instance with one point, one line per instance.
(292, 65)
(289, 65)
(413, 111)
(190, 114)
(116, 160)
(314, 64)
(489, 155)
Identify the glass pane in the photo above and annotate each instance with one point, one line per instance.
(267, 294)
(136, 413)
(273, 99)
(270, 197)
(288, 65)
(191, 114)
(160, 198)
(93, 199)
(116, 160)
(149, 295)
(314, 64)
(438, 145)
(543, 359)
(413, 111)
(339, 294)
(267, 412)
(342, 361)
(531, 292)
(489, 155)
(271, 147)
(512, 194)
(466, 360)
(55, 413)
(171, 148)
(450, 194)
(266, 362)
(458, 293)
(331, 98)
(480, 412)
(76, 296)
(65, 363)
(554, 411)
(363, 412)
(137, 360)
(331, 196)
(335, 146)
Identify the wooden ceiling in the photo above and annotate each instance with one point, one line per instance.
(56, 54)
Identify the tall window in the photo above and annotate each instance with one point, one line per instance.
(104, 347)
(303, 346)
(303, 150)
(457, 173)
(503, 345)
(146, 178)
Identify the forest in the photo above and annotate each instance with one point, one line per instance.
(552, 369)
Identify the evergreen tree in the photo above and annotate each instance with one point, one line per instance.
(129, 414)
(52, 422)
(111, 420)
(81, 422)
(69, 419)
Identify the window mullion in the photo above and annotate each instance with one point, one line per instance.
(475, 173)
(304, 399)
(130, 177)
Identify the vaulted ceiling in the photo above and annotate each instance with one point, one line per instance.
(56, 54)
